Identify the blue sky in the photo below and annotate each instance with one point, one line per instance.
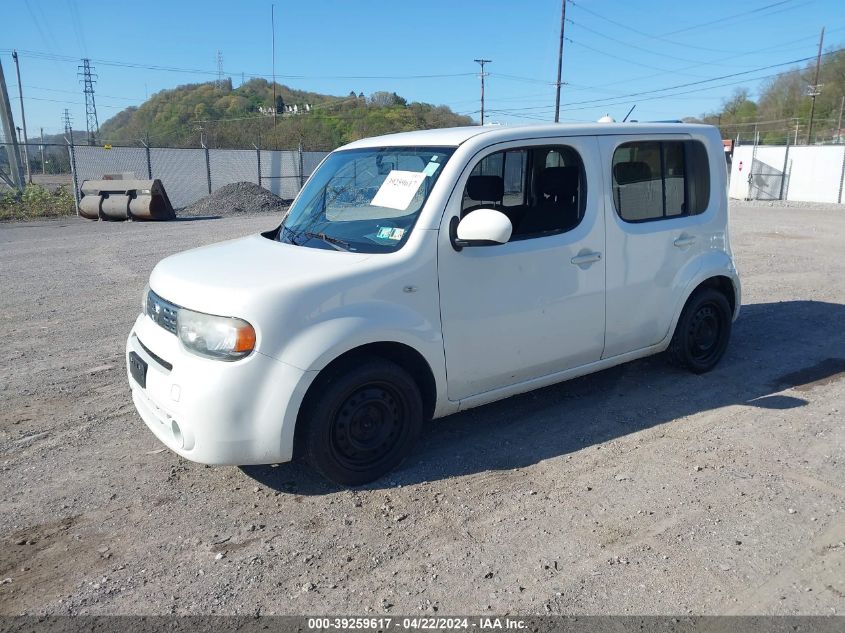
(614, 49)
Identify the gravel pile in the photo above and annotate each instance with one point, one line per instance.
(238, 198)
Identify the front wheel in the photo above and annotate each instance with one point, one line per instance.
(702, 334)
(362, 421)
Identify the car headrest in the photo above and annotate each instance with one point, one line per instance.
(560, 181)
(486, 188)
(628, 173)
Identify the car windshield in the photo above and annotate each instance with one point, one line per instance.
(364, 200)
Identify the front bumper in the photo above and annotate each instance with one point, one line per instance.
(216, 412)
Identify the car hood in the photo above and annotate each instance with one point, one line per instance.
(225, 278)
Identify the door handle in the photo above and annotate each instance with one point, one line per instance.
(585, 258)
(684, 241)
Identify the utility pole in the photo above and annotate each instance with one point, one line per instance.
(481, 62)
(560, 61)
(23, 119)
(815, 89)
(839, 125)
(20, 145)
(273, 28)
(43, 167)
(15, 169)
(88, 80)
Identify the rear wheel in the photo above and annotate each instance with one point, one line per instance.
(702, 334)
(362, 421)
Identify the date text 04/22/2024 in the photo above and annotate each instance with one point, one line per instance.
(423, 623)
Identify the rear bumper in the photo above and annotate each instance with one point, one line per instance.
(215, 412)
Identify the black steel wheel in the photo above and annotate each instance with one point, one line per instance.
(703, 331)
(361, 419)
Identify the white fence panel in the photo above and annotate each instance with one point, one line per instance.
(813, 173)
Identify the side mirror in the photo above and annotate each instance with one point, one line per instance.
(482, 227)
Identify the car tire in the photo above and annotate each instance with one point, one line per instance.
(362, 420)
(703, 331)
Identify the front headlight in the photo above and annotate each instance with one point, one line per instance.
(222, 338)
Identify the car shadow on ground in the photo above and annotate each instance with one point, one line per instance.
(775, 346)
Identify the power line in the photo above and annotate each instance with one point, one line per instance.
(73, 92)
(77, 26)
(623, 59)
(731, 17)
(598, 102)
(661, 54)
(198, 71)
(663, 37)
(780, 47)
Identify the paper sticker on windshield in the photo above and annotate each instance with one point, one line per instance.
(398, 189)
(430, 169)
(390, 233)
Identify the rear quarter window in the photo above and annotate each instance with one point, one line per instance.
(656, 180)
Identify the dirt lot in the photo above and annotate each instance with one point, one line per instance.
(638, 490)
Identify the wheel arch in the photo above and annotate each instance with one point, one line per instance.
(408, 358)
(724, 285)
(716, 275)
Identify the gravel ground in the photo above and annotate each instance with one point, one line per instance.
(238, 198)
(637, 490)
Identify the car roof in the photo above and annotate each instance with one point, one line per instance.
(454, 136)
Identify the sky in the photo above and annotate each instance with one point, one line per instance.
(663, 57)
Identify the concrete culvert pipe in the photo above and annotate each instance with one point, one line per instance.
(125, 200)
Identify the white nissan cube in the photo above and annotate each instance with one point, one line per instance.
(424, 273)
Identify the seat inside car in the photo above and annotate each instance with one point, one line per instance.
(634, 189)
(557, 208)
(485, 190)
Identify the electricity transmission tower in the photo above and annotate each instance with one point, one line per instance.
(68, 127)
(219, 83)
(88, 80)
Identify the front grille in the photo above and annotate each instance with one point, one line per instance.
(162, 312)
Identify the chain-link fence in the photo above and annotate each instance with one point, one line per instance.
(187, 174)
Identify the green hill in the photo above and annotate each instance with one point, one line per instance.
(783, 105)
(239, 117)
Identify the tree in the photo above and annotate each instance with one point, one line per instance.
(382, 98)
(280, 104)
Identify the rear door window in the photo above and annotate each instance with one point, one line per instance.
(655, 180)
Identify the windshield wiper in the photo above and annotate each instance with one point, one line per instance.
(291, 235)
(334, 242)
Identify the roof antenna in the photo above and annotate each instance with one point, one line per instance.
(629, 113)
